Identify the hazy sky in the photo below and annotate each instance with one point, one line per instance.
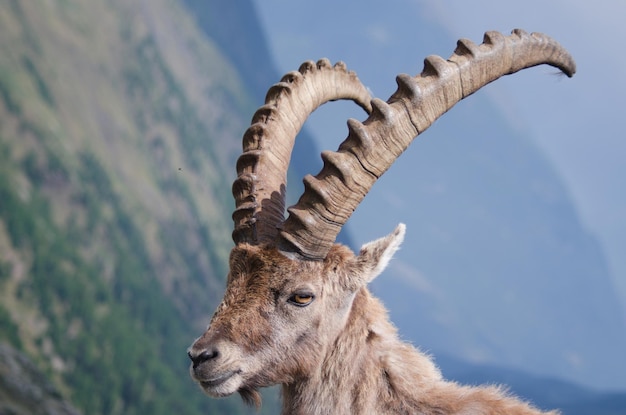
(580, 127)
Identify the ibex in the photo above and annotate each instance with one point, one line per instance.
(297, 311)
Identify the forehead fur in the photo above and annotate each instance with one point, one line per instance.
(267, 262)
(259, 262)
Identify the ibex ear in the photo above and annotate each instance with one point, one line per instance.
(374, 256)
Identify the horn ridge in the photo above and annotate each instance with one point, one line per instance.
(260, 187)
(372, 146)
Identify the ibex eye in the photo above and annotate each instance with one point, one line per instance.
(301, 299)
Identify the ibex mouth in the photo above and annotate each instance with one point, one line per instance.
(218, 380)
(222, 384)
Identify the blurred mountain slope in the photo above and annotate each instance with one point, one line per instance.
(24, 390)
(119, 125)
(544, 392)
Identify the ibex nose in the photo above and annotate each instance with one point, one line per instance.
(202, 356)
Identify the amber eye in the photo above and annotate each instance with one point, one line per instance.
(301, 299)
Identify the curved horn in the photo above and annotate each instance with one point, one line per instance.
(372, 146)
(259, 190)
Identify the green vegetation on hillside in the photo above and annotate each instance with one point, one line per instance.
(114, 201)
(118, 345)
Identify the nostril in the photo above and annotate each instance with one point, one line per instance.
(206, 355)
(203, 356)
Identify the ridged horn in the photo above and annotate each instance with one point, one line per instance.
(372, 146)
(259, 189)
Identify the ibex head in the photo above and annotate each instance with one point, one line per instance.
(292, 293)
(280, 315)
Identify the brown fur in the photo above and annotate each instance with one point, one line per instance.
(337, 355)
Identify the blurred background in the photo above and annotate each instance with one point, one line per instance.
(120, 123)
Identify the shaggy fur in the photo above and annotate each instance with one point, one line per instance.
(339, 354)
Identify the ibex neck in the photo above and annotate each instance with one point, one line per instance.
(355, 374)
